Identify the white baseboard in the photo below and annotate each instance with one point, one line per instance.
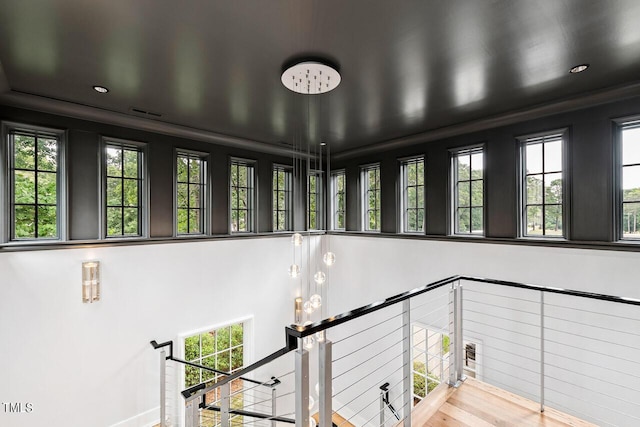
(146, 419)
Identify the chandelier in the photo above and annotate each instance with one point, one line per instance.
(311, 77)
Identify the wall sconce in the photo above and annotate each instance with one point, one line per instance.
(298, 311)
(90, 281)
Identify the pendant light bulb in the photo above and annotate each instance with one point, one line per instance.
(319, 277)
(296, 239)
(294, 270)
(316, 301)
(308, 307)
(329, 259)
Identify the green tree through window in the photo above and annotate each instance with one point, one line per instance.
(339, 195)
(543, 186)
(34, 192)
(282, 193)
(315, 200)
(413, 195)
(242, 196)
(190, 193)
(371, 196)
(468, 201)
(630, 174)
(123, 164)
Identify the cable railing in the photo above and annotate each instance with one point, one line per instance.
(574, 351)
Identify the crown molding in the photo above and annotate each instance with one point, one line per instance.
(85, 112)
(590, 99)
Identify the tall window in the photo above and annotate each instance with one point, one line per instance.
(282, 198)
(370, 176)
(191, 195)
(315, 200)
(338, 199)
(468, 191)
(223, 350)
(630, 180)
(124, 188)
(412, 179)
(35, 178)
(542, 185)
(242, 196)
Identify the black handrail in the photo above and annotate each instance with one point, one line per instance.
(384, 388)
(252, 414)
(156, 346)
(273, 356)
(296, 331)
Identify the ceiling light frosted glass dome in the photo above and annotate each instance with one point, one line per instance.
(329, 258)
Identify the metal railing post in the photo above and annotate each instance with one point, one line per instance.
(274, 398)
(225, 404)
(163, 389)
(406, 363)
(382, 405)
(302, 386)
(456, 358)
(192, 413)
(541, 351)
(325, 379)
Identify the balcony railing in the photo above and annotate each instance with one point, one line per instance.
(574, 351)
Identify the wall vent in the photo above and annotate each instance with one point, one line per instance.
(141, 112)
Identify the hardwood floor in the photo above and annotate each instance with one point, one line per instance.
(476, 404)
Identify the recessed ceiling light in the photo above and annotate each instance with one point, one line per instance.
(579, 68)
(100, 89)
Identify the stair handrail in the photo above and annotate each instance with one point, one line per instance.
(293, 333)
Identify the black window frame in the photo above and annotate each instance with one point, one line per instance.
(404, 196)
(318, 196)
(143, 192)
(203, 184)
(7, 190)
(631, 122)
(285, 211)
(454, 154)
(336, 209)
(251, 190)
(544, 137)
(365, 195)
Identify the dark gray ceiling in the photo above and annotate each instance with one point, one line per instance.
(407, 66)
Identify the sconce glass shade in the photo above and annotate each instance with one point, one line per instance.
(329, 258)
(296, 239)
(316, 301)
(90, 281)
(297, 310)
(294, 270)
(319, 277)
(308, 307)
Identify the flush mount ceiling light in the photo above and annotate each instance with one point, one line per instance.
(579, 68)
(311, 78)
(100, 89)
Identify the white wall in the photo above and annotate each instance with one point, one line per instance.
(370, 269)
(91, 364)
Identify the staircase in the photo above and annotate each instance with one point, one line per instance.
(506, 354)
